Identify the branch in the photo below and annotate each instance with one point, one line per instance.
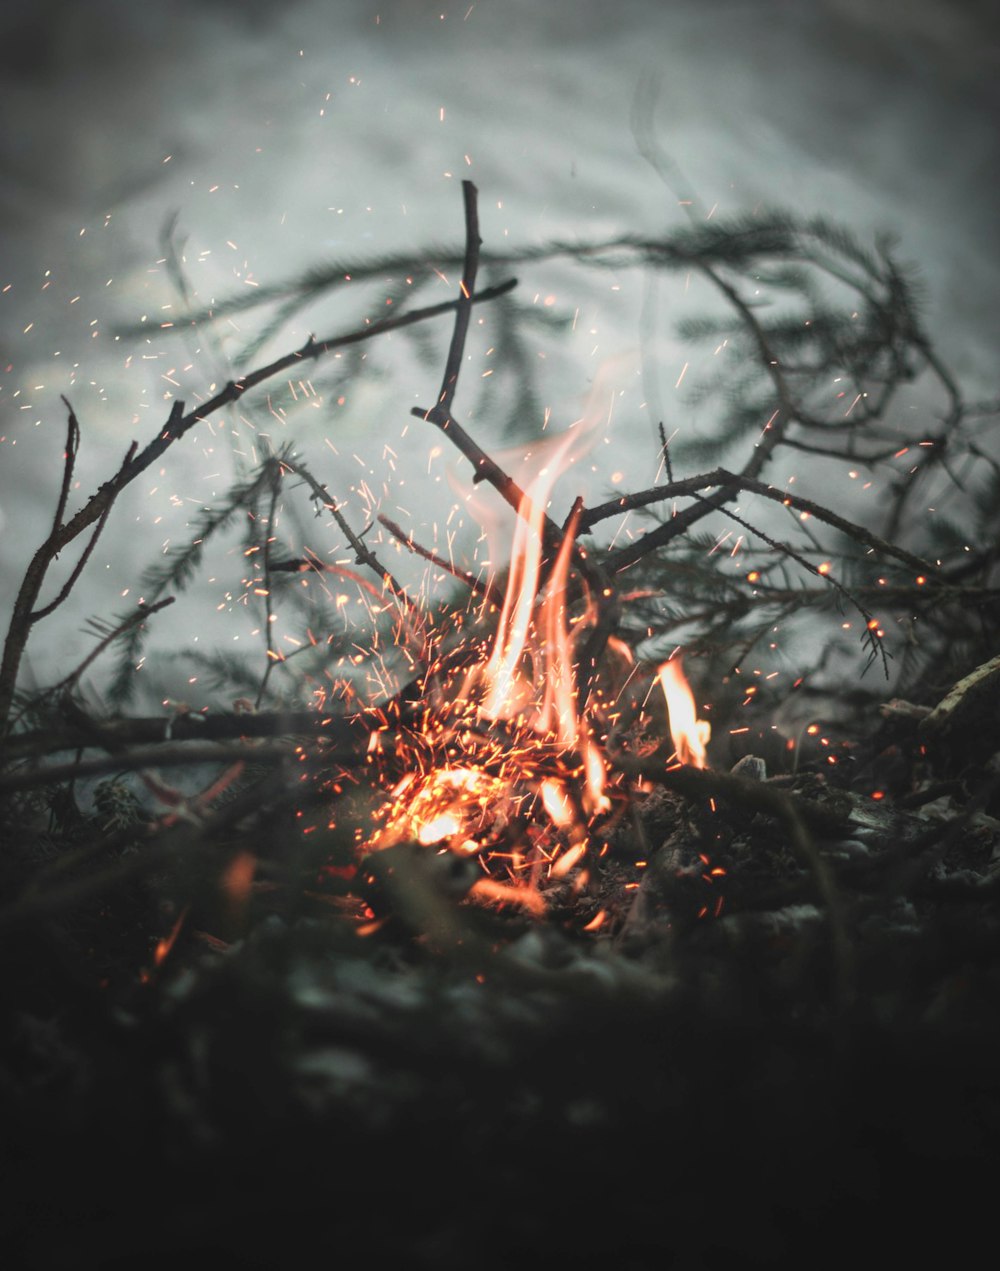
(463, 305)
(24, 614)
(342, 731)
(733, 482)
(363, 554)
(78, 568)
(481, 589)
(140, 615)
(177, 755)
(69, 463)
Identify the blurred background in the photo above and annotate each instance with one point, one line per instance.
(158, 161)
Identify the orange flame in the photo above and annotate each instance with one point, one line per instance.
(445, 803)
(689, 734)
(541, 635)
(548, 759)
(507, 689)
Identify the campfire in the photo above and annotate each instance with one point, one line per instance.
(508, 761)
(471, 877)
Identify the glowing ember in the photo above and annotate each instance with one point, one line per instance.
(446, 806)
(508, 762)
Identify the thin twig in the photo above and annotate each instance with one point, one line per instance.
(24, 614)
(69, 463)
(272, 656)
(363, 554)
(141, 614)
(78, 568)
(481, 589)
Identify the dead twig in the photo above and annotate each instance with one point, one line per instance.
(141, 614)
(339, 731)
(98, 506)
(483, 590)
(363, 554)
(25, 615)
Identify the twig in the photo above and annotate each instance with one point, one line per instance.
(615, 562)
(463, 305)
(24, 614)
(481, 589)
(272, 655)
(363, 554)
(788, 410)
(871, 635)
(69, 463)
(140, 615)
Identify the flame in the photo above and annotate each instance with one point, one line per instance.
(446, 803)
(689, 734)
(506, 685)
(508, 763)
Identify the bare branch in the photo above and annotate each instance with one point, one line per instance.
(722, 477)
(341, 731)
(481, 589)
(463, 305)
(140, 615)
(363, 554)
(78, 568)
(24, 614)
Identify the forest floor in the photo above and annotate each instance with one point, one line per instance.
(470, 1087)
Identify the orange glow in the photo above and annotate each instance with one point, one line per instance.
(526, 897)
(237, 878)
(439, 806)
(164, 946)
(442, 827)
(506, 762)
(689, 734)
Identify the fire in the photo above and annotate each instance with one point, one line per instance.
(507, 764)
(689, 734)
(445, 806)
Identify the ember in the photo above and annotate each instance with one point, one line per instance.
(534, 781)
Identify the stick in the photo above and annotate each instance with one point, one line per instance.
(98, 506)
